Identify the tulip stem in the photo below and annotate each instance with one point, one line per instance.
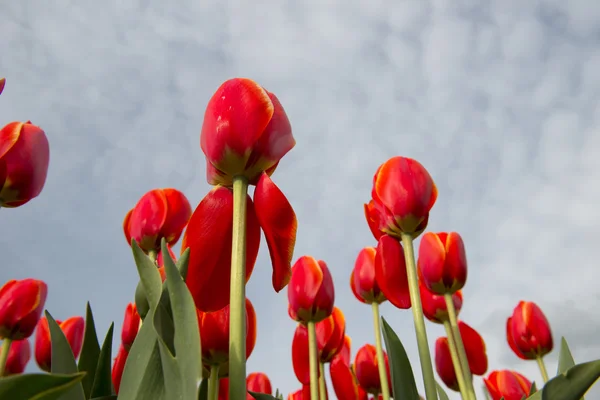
(4, 354)
(152, 255)
(458, 369)
(312, 361)
(322, 387)
(460, 347)
(213, 383)
(237, 300)
(417, 309)
(542, 366)
(385, 390)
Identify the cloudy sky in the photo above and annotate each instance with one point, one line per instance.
(499, 100)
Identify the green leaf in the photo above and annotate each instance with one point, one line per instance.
(103, 379)
(441, 393)
(111, 397)
(574, 383)
(149, 275)
(90, 351)
(565, 358)
(141, 302)
(532, 389)
(182, 263)
(262, 396)
(203, 390)
(37, 386)
(403, 380)
(62, 360)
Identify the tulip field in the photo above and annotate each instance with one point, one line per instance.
(189, 329)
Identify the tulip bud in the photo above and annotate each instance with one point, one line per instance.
(362, 280)
(160, 213)
(528, 332)
(2, 84)
(367, 370)
(258, 382)
(506, 384)
(18, 357)
(402, 196)
(21, 306)
(131, 326)
(73, 328)
(24, 159)
(245, 132)
(310, 291)
(119, 367)
(330, 335)
(442, 263)
(434, 305)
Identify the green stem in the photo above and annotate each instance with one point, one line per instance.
(542, 366)
(322, 387)
(4, 354)
(460, 347)
(213, 383)
(458, 369)
(237, 303)
(152, 255)
(385, 390)
(417, 309)
(312, 361)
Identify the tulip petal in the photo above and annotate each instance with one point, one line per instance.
(511, 340)
(209, 237)
(344, 382)
(2, 84)
(300, 359)
(178, 214)
(306, 283)
(147, 219)
(127, 226)
(432, 256)
(278, 221)
(9, 135)
(373, 220)
(444, 365)
(390, 272)
(251, 328)
(475, 349)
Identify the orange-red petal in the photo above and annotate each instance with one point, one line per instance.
(390, 272)
(147, 219)
(300, 359)
(475, 349)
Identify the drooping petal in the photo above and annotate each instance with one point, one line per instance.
(278, 221)
(475, 349)
(127, 226)
(372, 220)
(444, 365)
(390, 272)
(300, 358)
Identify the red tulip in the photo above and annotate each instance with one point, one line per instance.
(18, 357)
(330, 335)
(508, 384)
(344, 381)
(209, 236)
(528, 332)
(362, 280)
(21, 306)
(367, 370)
(258, 382)
(214, 334)
(24, 159)
(301, 394)
(390, 271)
(131, 326)
(402, 196)
(245, 132)
(442, 262)
(119, 367)
(434, 305)
(224, 389)
(2, 84)
(310, 292)
(73, 328)
(160, 213)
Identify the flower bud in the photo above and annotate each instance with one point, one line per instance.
(434, 305)
(367, 370)
(362, 280)
(442, 262)
(506, 384)
(73, 328)
(528, 332)
(310, 291)
(21, 306)
(18, 357)
(131, 326)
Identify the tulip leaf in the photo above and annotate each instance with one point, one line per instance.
(90, 351)
(111, 397)
(103, 379)
(141, 302)
(203, 390)
(573, 384)
(565, 358)
(182, 263)
(62, 360)
(262, 396)
(532, 389)
(149, 275)
(37, 386)
(441, 392)
(403, 380)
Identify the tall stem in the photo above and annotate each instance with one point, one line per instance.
(417, 309)
(312, 361)
(458, 369)
(213, 383)
(237, 303)
(4, 350)
(322, 387)
(152, 255)
(460, 347)
(385, 390)
(542, 366)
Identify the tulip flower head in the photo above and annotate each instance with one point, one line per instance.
(330, 335)
(131, 326)
(402, 196)
(24, 159)
(367, 371)
(442, 263)
(245, 132)
(343, 379)
(73, 329)
(362, 279)
(310, 292)
(258, 382)
(506, 384)
(21, 306)
(434, 305)
(528, 332)
(18, 357)
(300, 394)
(160, 213)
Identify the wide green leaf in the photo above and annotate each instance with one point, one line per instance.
(90, 351)
(141, 302)
(149, 275)
(262, 396)
(37, 386)
(441, 392)
(573, 384)
(203, 390)
(532, 389)
(403, 379)
(103, 379)
(565, 358)
(182, 263)
(63, 361)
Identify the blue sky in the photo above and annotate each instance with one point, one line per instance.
(499, 100)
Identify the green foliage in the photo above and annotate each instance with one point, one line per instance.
(90, 352)
(38, 386)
